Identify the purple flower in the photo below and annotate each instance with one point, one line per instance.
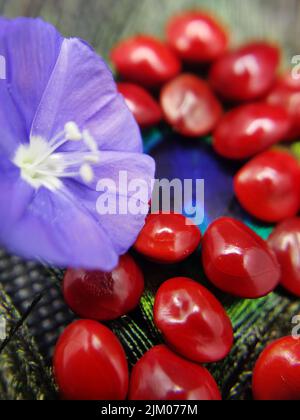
(63, 127)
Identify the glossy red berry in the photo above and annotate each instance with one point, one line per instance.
(247, 73)
(144, 107)
(285, 242)
(196, 37)
(277, 372)
(90, 363)
(286, 93)
(268, 187)
(250, 129)
(104, 296)
(145, 60)
(168, 238)
(238, 261)
(162, 375)
(190, 106)
(192, 321)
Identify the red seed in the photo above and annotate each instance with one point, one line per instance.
(145, 60)
(286, 93)
(196, 37)
(238, 261)
(145, 109)
(268, 187)
(162, 375)
(168, 238)
(247, 73)
(190, 106)
(90, 363)
(277, 372)
(250, 129)
(104, 296)
(192, 321)
(285, 242)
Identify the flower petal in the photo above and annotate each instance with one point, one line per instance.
(51, 81)
(30, 48)
(122, 229)
(12, 126)
(82, 89)
(61, 233)
(16, 195)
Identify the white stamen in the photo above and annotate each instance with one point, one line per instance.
(54, 141)
(46, 163)
(72, 131)
(86, 173)
(92, 158)
(89, 141)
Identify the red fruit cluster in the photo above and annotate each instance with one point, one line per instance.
(89, 361)
(264, 108)
(153, 69)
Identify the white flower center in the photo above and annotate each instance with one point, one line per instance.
(42, 164)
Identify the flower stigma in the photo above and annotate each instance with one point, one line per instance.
(43, 165)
